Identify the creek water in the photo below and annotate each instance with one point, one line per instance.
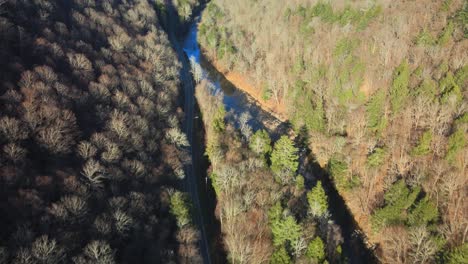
(236, 103)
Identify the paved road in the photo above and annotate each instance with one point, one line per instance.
(188, 85)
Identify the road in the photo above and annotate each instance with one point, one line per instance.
(188, 85)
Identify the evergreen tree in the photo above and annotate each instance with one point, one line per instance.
(280, 256)
(284, 159)
(399, 90)
(316, 250)
(285, 229)
(260, 143)
(424, 145)
(317, 198)
(375, 109)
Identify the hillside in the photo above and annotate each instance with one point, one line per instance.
(381, 88)
(92, 152)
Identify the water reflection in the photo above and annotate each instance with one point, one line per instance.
(236, 102)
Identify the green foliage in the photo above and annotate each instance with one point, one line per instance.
(218, 120)
(338, 170)
(280, 256)
(458, 255)
(311, 114)
(425, 38)
(375, 109)
(449, 89)
(285, 229)
(446, 34)
(275, 212)
(456, 142)
(345, 47)
(428, 88)
(398, 199)
(364, 20)
(324, 11)
(214, 182)
(260, 143)
(180, 208)
(446, 5)
(317, 198)
(463, 119)
(461, 76)
(284, 158)
(424, 145)
(267, 93)
(423, 213)
(316, 250)
(300, 183)
(376, 158)
(461, 19)
(399, 90)
(359, 18)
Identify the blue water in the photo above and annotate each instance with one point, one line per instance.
(235, 101)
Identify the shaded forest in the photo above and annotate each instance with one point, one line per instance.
(92, 152)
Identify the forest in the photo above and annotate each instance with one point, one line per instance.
(381, 89)
(92, 151)
(97, 147)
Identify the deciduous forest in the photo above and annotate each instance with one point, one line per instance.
(265, 131)
(381, 89)
(90, 135)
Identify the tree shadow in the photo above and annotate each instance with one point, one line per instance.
(355, 245)
(206, 191)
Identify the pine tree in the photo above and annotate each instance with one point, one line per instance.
(376, 111)
(317, 198)
(284, 159)
(280, 256)
(316, 250)
(399, 91)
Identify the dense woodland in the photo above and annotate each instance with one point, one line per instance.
(381, 88)
(265, 211)
(92, 152)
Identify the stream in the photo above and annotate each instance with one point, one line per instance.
(237, 103)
